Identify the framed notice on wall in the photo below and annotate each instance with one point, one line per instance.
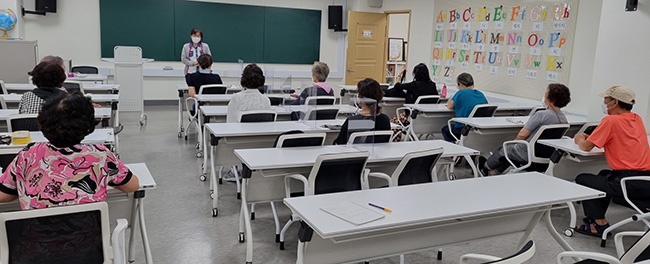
(513, 47)
(395, 49)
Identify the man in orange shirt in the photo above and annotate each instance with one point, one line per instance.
(623, 137)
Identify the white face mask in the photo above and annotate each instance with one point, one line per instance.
(604, 108)
(196, 39)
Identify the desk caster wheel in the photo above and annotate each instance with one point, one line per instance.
(249, 262)
(197, 146)
(568, 232)
(180, 134)
(202, 177)
(215, 212)
(242, 238)
(182, 129)
(452, 176)
(199, 154)
(211, 194)
(185, 137)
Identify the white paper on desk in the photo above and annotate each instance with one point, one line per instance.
(97, 137)
(353, 213)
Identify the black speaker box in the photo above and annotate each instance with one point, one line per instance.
(48, 6)
(630, 5)
(335, 17)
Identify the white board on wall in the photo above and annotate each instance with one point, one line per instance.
(20, 57)
(512, 47)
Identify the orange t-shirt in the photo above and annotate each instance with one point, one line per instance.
(625, 142)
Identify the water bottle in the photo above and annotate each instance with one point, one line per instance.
(443, 94)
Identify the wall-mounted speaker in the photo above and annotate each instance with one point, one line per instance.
(335, 17)
(631, 5)
(48, 6)
(375, 3)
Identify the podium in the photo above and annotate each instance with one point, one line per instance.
(128, 74)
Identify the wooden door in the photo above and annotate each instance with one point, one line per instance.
(366, 54)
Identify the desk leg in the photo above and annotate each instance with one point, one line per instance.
(549, 170)
(470, 161)
(529, 229)
(180, 116)
(199, 144)
(213, 184)
(301, 253)
(247, 223)
(143, 228)
(554, 233)
(133, 222)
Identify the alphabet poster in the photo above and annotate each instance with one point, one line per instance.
(510, 47)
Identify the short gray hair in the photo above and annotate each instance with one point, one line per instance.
(53, 59)
(320, 70)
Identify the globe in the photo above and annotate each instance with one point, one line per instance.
(8, 21)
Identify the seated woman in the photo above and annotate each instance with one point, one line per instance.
(556, 96)
(421, 85)
(250, 98)
(319, 73)
(203, 76)
(62, 172)
(48, 78)
(370, 94)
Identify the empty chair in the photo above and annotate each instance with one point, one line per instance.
(320, 100)
(72, 87)
(381, 136)
(257, 116)
(336, 172)
(639, 252)
(85, 69)
(428, 99)
(538, 154)
(22, 122)
(276, 100)
(321, 113)
(520, 257)
(213, 89)
(588, 128)
(416, 167)
(640, 206)
(78, 225)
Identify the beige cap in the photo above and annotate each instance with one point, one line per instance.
(619, 92)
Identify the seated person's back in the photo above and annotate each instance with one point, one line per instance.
(370, 118)
(203, 76)
(250, 98)
(319, 73)
(463, 102)
(48, 78)
(421, 85)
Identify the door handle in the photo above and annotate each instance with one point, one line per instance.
(349, 70)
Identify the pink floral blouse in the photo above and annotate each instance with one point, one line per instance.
(43, 175)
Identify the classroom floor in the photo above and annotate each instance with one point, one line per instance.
(182, 230)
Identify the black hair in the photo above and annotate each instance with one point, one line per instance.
(558, 94)
(48, 74)
(252, 77)
(205, 61)
(465, 79)
(66, 119)
(625, 106)
(197, 31)
(421, 73)
(369, 88)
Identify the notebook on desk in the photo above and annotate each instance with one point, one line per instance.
(332, 126)
(353, 213)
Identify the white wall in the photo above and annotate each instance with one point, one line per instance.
(74, 32)
(622, 55)
(398, 26)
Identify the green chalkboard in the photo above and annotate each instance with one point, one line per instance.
(144, 23)
(250, 33)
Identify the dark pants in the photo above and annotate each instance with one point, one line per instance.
(447, 136)
(610, 182)
(497, 161)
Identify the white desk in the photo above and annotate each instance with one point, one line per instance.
(218, 113)
(122, 205)
(489, 133)
(425, 217)
(79, 77)
(88, 87)
(264, 169)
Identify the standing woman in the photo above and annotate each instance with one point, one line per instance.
(192, 51)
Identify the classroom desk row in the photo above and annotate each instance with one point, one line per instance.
(264, 169)
(88, 87)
